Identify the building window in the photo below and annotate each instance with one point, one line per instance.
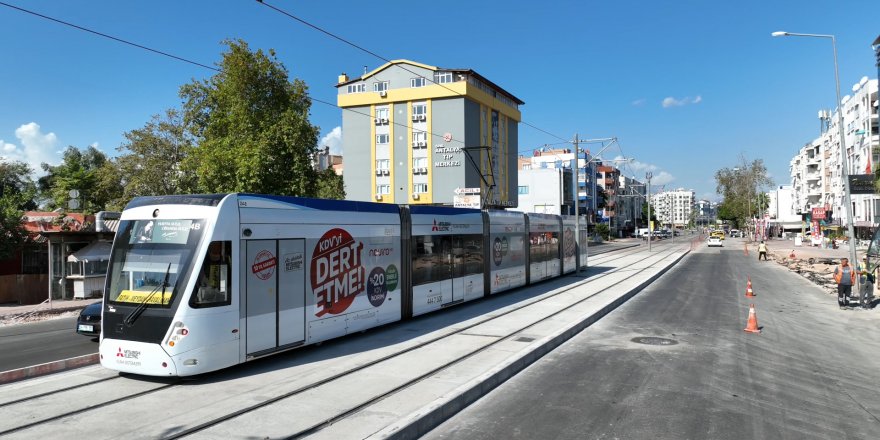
(443, 77)
(417, 82)
(382, 138)
(380, 86)
(420, 162)
(383, 164)
(419, 110)
(383, 189)
(527, 166)
(357, 88)
(382, 113)
(523, 189)
(420, 188)
(420, 136)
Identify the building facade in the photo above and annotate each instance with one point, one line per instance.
(817, 170)
(674, 209)
(414, 133)
(563, 158)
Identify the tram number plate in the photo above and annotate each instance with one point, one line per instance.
(86, 328)
(435, 299)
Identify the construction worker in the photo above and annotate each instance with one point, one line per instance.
(762, 251)
(845, 277)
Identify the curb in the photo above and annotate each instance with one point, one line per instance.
(48, 368)
(432, 415)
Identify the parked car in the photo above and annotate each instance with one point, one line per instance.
(89, 321)
(714, 241)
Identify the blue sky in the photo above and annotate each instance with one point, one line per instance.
(596, 68)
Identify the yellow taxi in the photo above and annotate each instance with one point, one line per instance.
(717, 234)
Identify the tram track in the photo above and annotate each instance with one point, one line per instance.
(338, 417)
(86, 408)
(603, 258)
(57, 391)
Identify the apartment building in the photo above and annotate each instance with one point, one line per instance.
(563, 158)
(674, 208)
(414, 133)
(817, 171)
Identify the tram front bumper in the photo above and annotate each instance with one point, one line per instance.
(136, 357)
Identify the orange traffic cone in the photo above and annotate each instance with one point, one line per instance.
(752, 326)
(749, 293)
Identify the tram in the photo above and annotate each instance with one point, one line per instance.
(197, 283)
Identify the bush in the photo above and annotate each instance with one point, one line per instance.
(603, 230)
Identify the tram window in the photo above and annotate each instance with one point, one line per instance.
(544, 246)
(431, 258)
(472, 257)
(214, 279)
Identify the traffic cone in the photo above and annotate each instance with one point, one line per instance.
(749, 293)
(752, 325)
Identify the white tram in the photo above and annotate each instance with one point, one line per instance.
(202, 282)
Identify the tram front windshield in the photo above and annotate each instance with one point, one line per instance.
(146, 254)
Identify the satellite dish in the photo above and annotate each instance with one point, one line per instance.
(73, 204)
(863, 81)
(856, 87)
(73, 193)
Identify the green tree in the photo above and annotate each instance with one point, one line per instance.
(17, 192)
(16, 183)
(79, 171)
(251, 127)
(330, 185)
(740, 186)
(152, 158)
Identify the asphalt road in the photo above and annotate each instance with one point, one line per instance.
(35, 343)
(811, 374)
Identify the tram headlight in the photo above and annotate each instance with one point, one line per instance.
(178, 332)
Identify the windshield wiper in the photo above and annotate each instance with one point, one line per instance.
(136, 313)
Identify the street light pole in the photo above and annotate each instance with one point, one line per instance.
(843, 162)
(648, 177)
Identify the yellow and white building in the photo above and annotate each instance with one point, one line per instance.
(419, 134)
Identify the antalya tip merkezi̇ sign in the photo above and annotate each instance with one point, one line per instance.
(861, 184)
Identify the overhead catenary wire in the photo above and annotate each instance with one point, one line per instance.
(117, 39)
(182, 59)
(385, 59)
(195, 63)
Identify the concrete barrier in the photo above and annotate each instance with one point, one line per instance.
(48, 368)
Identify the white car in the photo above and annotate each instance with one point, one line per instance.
(715, 241)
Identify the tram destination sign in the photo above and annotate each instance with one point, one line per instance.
(861, 184)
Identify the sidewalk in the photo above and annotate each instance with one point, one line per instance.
(12, 311)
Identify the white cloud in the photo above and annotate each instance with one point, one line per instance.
(36, 148)
(94, 145)
(673, 102)
(659, 177)
(639, 102)
(332, 140)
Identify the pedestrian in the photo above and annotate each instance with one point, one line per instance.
(762, 251)
(845, 277)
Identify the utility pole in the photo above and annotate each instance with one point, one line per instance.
(577, 212)
(648, 177)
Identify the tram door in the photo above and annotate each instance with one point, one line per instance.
(291, 292)
(275, 294)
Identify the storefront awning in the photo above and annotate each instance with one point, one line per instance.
(97, 251)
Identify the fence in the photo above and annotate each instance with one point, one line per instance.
(24, 289)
